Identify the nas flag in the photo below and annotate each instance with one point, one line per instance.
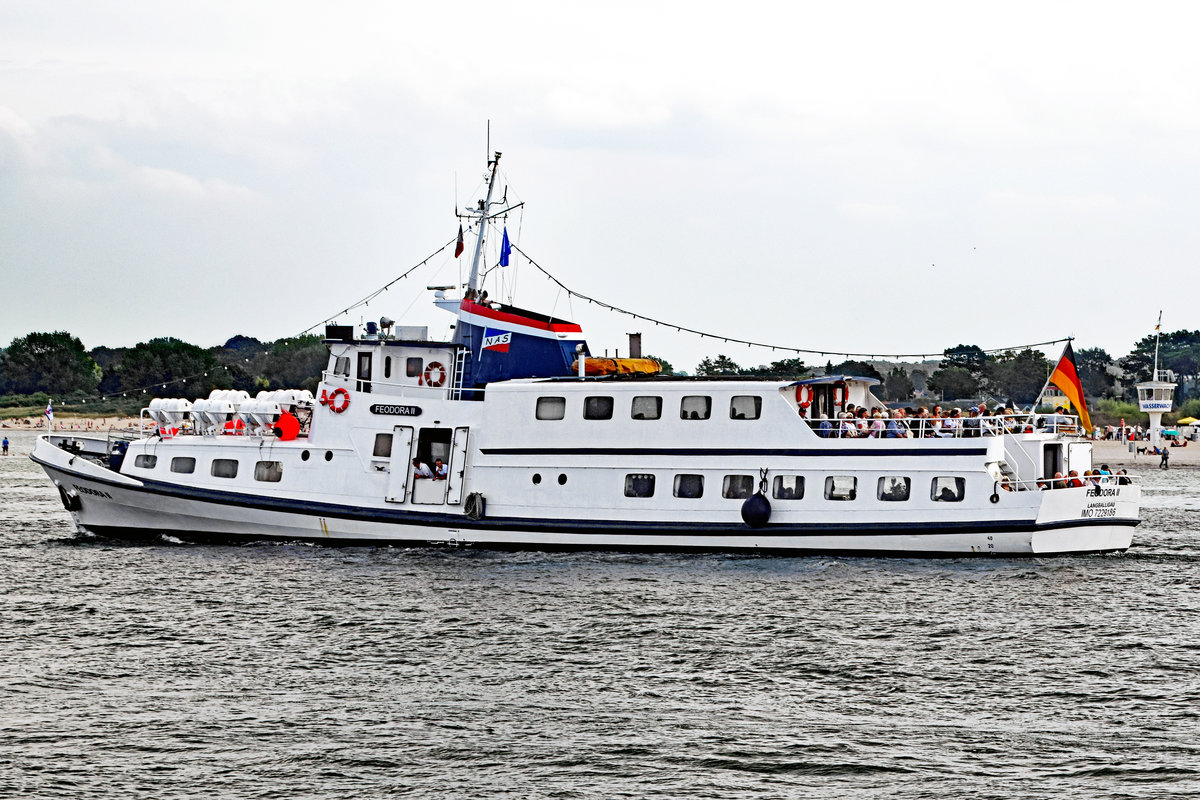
(496, 340)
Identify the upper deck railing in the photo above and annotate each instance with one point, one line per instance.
(944, 427)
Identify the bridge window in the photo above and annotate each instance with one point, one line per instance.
(551, 408)
(646, 407)
(145, 461)
(946, 489)
(689, 486)
(841, 487)
(184, 465)
(224, 468)
(413, 367)
(737, 487)
(639, 484)
(745, 406)
(597, 408)
(894, 488)
(269, 471)
(383, 445)
(695, 406)
(342, 366)
(788, 487)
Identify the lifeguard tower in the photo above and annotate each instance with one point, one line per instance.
(1157, 396)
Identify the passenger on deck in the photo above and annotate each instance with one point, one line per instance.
(439, 470)
(849, 430)
(421, 470)
(1059, 481)
(1073, 480)
(826, 429)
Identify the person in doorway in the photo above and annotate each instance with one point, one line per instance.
(439, 470)
(421, 470)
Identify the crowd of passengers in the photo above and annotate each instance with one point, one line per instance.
(904, 423)
(1090, 477)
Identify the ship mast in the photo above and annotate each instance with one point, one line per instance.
(483, 213)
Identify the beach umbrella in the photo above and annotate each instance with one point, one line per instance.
(1187, 421)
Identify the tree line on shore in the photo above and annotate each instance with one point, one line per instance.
(56, 364)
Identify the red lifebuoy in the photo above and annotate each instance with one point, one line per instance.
(804, 395)
(432, 369)
(332, 401)
(839, 394)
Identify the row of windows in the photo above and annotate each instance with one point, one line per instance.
(890, 488)
(412, 366)
(267, 471)
(692, 406)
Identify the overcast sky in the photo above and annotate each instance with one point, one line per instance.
(869, 177)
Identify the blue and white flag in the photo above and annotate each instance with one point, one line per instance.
(50, 410)
(505, 249)
(496, 340)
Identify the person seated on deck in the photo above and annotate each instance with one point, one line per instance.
(897, 428)
(1059, 481)
(848, 430)
(439, 470)
(1073, 480)
(878, 426)
(970, 425)
(1123, 478)
(421, 470)
(826, 429)
(951, 424)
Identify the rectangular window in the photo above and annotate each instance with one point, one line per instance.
(646, 407)
(342, 366)
(788, 487)
(364, 366)
(894, 488)
(695, 406)
(639, 484)
(145, 462)
(185, 465)
(383, 445)
(269, 471)
(737, 487)
(224, 468)
(690, 486)
(946, 489)
(597, 408)
(413, 367)
(745, 406)
(841, 487)
(551, 408)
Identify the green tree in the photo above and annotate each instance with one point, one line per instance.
(1017, 376)
(667, 368)
(168, 367)
(722, 365)
(787, 368)
(954, 382)
(1178, 351)
(55, 363)
(859, 369)
(897, 385)
(1092, 364)
(295, 363)
(967, 356)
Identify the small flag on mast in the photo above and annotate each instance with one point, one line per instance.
(1159, 325)
(458, 248)
(50, 410)
(505, 249)
(1066, 378)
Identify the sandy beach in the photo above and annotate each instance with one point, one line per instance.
(1117, 456)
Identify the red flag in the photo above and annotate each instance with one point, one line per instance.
(458, 248)
(1066, 378)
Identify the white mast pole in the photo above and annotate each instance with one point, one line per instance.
(1157, 333)
(484, 207)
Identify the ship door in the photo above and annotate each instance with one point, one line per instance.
(458, 467)
(364, 371)
(1052, 460)
(398, 480)
(432, 444)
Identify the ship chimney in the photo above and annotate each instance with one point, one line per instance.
(635, 345)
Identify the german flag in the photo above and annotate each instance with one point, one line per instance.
(1066, 378)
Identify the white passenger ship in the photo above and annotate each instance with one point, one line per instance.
(539, 453)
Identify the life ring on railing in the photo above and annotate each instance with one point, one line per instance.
(331, 400)
(804, 395)
(435, 368)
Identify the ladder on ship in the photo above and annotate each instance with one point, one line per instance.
(460, 366)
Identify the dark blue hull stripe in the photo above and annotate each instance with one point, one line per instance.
(623, 527)
(730, 451)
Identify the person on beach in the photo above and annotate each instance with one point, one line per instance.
(5, 445)
(1166, 455)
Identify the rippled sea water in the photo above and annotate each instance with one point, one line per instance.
(267, 671)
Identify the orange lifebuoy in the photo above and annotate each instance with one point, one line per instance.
(804, 395)
(334, 404)
(440, 379)
(839, 394)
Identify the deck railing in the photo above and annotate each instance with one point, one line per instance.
(945, 427)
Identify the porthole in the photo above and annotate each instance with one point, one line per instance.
(329, 455)
(562, 479)
(537, 478)
(304, 455)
